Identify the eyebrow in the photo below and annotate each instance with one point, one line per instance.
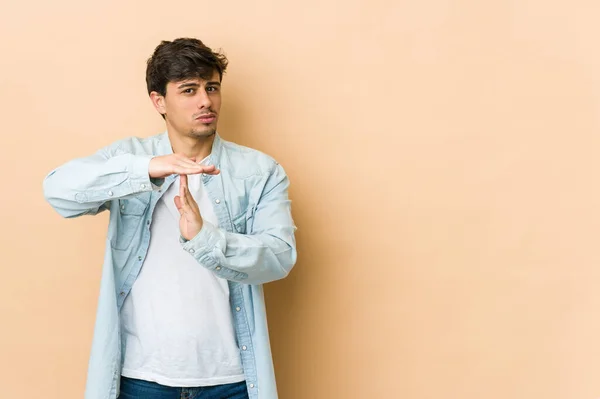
(194, 84)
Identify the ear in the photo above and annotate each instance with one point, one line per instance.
(159, 102)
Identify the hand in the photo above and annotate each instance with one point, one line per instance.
(167, 165)
(190, 222)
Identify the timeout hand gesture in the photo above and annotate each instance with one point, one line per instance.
(190, 221)
(167, 165)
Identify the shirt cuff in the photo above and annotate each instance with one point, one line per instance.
(139, 177)
(208, 248)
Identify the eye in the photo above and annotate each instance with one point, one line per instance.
(212, 89)
(189, 91)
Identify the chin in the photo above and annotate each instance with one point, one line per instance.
(203, 133)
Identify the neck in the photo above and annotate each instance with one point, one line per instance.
(190, 146)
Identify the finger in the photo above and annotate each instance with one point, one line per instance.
(189, 199)
(204, 167)
(185, 211)
(183, 162)
(183, 203)
(179, 205)
(213, 172)
(208, 169)
(182, 184)
(188, 165)
(184, 180)
(184, 170)
(179, 170)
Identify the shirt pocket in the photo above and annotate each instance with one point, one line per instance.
(129, 221)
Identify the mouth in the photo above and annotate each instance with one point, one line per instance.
(206, 118)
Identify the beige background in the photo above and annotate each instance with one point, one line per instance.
(444, 168)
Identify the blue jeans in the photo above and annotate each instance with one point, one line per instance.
(140, 389)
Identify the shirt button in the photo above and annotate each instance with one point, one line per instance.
(238, 309)
(123, 207)
(244, 348)
(251, 385)
(110, 193)
(218, 201)
(148, 223)
(143, 186)
(192, 250)
(139, 258)
(218, 268)
(122, 293)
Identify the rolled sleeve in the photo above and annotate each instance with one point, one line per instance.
(139, 177)
(208, 248)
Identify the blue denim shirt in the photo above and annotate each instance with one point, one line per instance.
(253, 243)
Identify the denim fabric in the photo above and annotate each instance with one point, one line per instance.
(252, 244)
(140, 389)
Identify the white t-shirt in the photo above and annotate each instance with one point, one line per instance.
(177, 323)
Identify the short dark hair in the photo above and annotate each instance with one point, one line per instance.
(183, 58)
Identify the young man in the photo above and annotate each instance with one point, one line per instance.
(197, 224)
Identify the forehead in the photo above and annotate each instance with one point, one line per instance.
(197, 80)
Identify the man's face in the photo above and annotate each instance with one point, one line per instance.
(191, 106)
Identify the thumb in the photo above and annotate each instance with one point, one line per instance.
(179, 204)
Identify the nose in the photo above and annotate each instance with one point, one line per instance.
(204, 100)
